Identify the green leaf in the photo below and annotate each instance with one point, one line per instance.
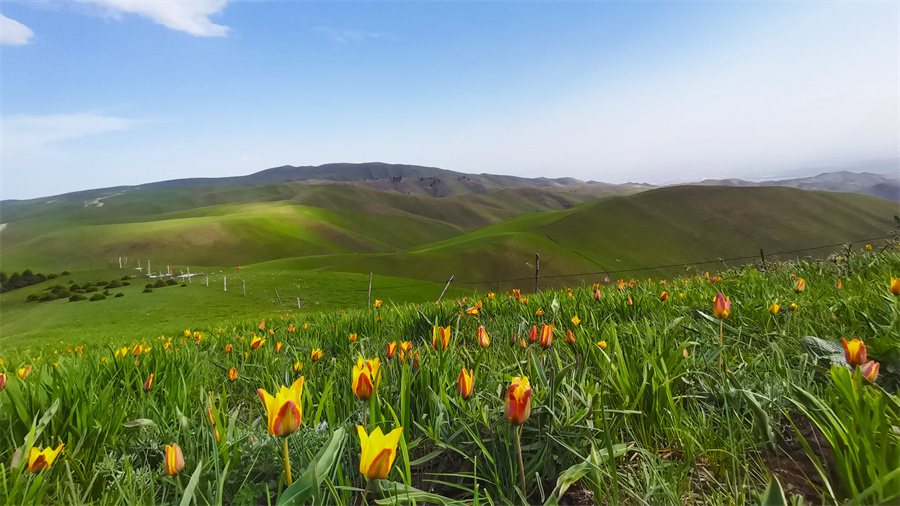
(320, 467)
(398, 493)
(139, 422)
(192, 485)
(774, 494)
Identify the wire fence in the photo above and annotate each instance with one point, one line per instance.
(288, 295)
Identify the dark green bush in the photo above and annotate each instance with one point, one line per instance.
(47, 297)
(97, 296)
(74, 286)
(120, 294)
(147, 290)
(76, 297)
(159, 283)
(90, 289)
(171, 282)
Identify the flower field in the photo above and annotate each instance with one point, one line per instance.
(743, 386)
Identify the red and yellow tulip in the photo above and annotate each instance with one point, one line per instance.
(441, 334)
(392, 349)
(533, 333)
(483, 338)
(539, 312)
(546, 335)
(366, 377)
(315, 354)
(855, 352)
(601, 345)
(721, 306)
(596, 294)
(352, 338)
(232, 374)
(839, 285)
(228, 348)
(285, 410)
(256, 342)
(174, 460)
(800, 286)
(518, 400)
(279, 347)
(570, 337)
(377, 303)
(465, 383)
(664, 296)
(38, 460)
(24, 372)
(378, 451)
(870, 370)
(2, 382)
(148, 384)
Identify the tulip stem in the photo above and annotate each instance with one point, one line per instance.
(521, 464)
(287, 463)
(721, 343)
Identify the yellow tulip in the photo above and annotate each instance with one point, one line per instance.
(24, 372)
(232, 374)
(39, 460)
(366, 377)
(602, 345)
(576, 320)
(800, 286)
(174, 459)
(377, 303)
(378, 451)
(315, 354)
(895, 286)
(279, 347)
(855, 352)
(285, 409)
(774, 308)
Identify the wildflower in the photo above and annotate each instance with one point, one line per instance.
(366, 377)
(291, 328)
(602, 345)
(570, 337)
(483, 338)
(518, 400)
(377, 451)
(148, 384)
(187, 333)
(24, 372)
(517, 294)
(868, 247)
(298, 366)
(533, 333)
(620, 284)
(664, 296)
(285, 411)
(870, 370)
(895, 286)
(491, 296)
(473, 311)
(546, 335)
(174, 459)
(137, 350)
(262, 325)
(839, 285)
(256, 342)
(855, 352)
(539, 312)
(315, 354)
(305, 326)
(597, 294)
(2, 382)
(522, 344)
(391, 350)
(278, 347)
(576, 320)
(800, 286)
(465, 383)
(232, 374)
(377, 303)
(38, 460)
(442, 333)
(686, 354)
(721, 306)
(793, 307)
(228, 348)
(630, 302)
(774, 308)
(406, 346)
(352, 338)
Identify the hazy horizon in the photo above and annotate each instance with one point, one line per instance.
(103, 93)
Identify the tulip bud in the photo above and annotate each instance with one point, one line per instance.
(895, 286)
(279, 347)
(870, 370)
(391, 349)
(532, 335)
(664, 296)
(174, 460)
(483, 338)
(232, 374)
(465, 383)
(2, 382)
(855, 352)
(546, 335)
(597, 294)
(518, 400)
(148, 384)
(774, 308)
(800, 286)
(721, 306)
(315, 354)
(570, 337)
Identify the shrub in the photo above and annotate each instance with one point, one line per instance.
(171, 282)
(52, 276)
(126, 283)
(74, 286)
(148, 285)
(76, 297)
(114, 284)
(90, 289)
(33, 297)
(61, 294)
(97, 296)
(102, 283)
(147, 290)
(184, 284)
(159, 283)
(125, 278)
(47, 297)
(120, 294)
(65, 273)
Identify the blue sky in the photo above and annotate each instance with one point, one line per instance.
(101, 93)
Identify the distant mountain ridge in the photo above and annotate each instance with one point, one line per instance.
(886, 186)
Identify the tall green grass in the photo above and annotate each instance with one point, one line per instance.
(647, 419)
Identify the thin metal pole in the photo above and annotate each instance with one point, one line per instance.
(537, 269)
(369, 299)
(445, 290)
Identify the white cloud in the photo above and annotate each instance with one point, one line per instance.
(22, 133)
(345, 35)
(191, 16)
(13, 33)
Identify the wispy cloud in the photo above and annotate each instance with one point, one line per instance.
(27, 133)
(13, 33)
(187, 16)
(346, 35)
